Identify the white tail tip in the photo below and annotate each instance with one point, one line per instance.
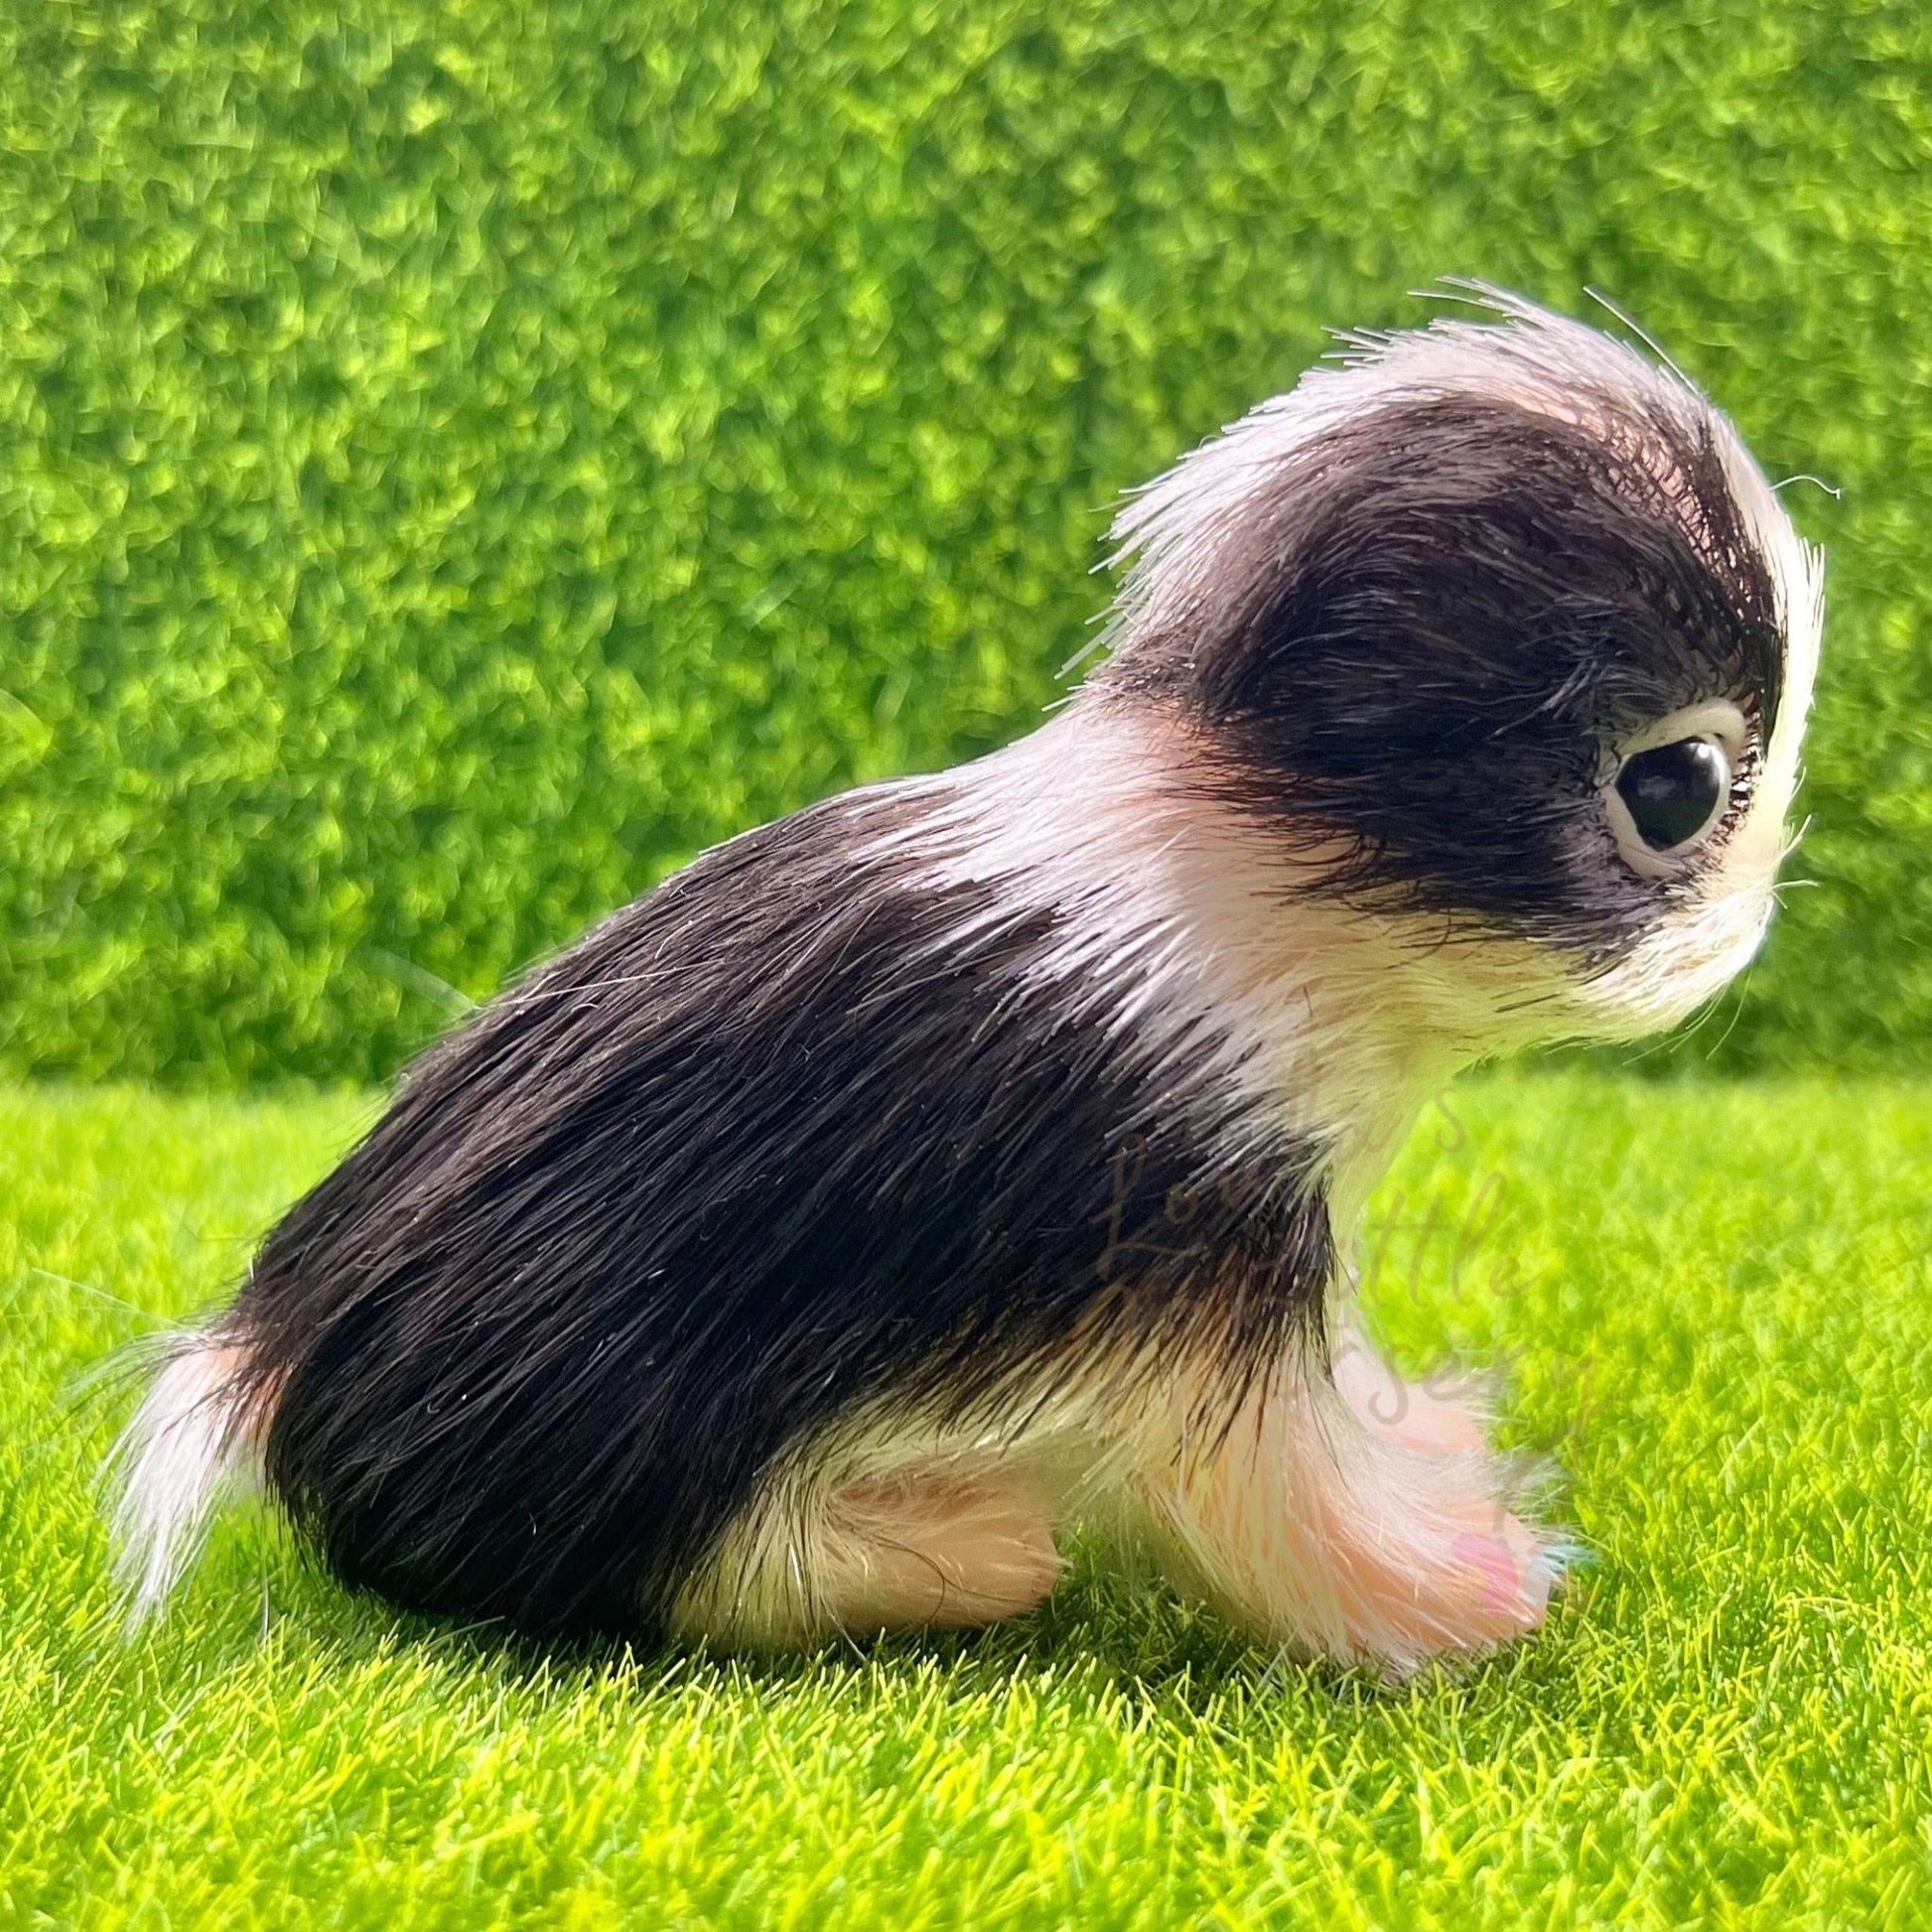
(187, 1442)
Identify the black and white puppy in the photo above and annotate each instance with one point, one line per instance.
(969, 1155)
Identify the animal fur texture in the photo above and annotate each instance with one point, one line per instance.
(976, 1154)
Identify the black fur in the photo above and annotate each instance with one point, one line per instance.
(770, 1142)
(803, 1129)
(1465, 605)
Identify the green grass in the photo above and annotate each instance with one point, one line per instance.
(1711, 1303)
(459, 456)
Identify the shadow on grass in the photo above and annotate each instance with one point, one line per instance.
(1107, 1636)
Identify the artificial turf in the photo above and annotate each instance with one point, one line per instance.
(1710, 1301)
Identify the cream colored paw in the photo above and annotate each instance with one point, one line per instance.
(929, 1551)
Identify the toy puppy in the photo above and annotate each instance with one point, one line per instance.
(966, 1155)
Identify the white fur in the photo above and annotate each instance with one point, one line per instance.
(1315, 1518)
(1334, 1024)
(886, 1524)
(1191, 536)
(1189, 532)
(1350, 1516)
(1694, 954)
(188, 1443)
(1330, 1021)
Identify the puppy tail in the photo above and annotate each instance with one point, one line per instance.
(195, 1432)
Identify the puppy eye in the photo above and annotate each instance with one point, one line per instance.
(1675, 792)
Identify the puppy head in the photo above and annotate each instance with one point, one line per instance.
(1499, 628)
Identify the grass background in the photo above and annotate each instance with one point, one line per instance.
(459, 458)
(1712, 1302)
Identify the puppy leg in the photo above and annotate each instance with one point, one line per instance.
(1348, 1514)
(935, 1549)
(928, 1546)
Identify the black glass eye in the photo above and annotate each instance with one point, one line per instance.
(1675, 792)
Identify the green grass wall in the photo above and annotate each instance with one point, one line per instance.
(458, 459)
